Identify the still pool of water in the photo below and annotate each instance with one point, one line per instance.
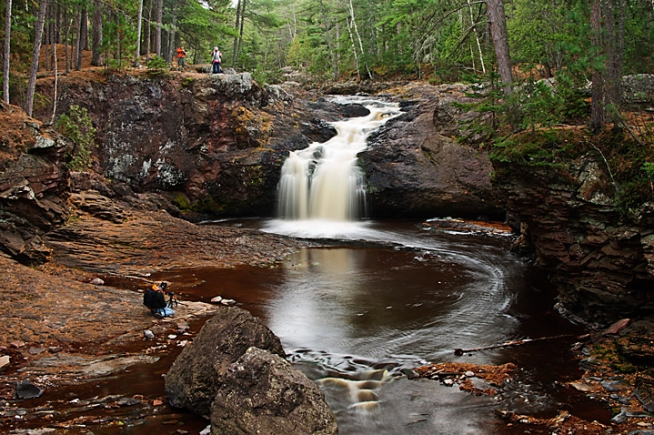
(388, 296)
(380, 299)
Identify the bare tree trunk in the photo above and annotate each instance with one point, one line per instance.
(46, 37)
(597, 102)
(497, 21)
(354, 48)
(6, 53)
(139, 20)
(236, 25)
(78, 43)
(38, 34)
(56, 80)
(84, 31)
(66, 44)
(239, 45)
(614, 18)
(474, 29)
(158, 16)
(148, 45)
(356, 31)
(329, 40)
(96, 59)
(171, 38)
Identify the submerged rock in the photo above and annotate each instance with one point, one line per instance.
(27, 390)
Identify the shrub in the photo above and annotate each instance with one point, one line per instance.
(78, 127)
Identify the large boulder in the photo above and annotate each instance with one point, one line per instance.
(262, 393)
(414, 168)
(196, 375)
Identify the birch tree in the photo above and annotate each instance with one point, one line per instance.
(6, 53)
(38, 34)
(139, 22)
(356, 31)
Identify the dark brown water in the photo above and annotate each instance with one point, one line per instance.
(351, 313)
(392, 296)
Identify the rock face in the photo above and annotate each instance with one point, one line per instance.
(33, 184)
(262, 393)
(603, 260)
(414, 168)
(216, 144)
(196, 375)
(638, 92)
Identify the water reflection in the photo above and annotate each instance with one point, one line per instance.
(383, 303)
(353, 317)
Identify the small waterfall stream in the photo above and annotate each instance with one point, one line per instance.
(324, 181)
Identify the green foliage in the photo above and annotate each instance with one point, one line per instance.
(538, 148)
(157, 66)
(648, 169)
(78, 127)
(182, 202)
(263, 77)
(157, 62)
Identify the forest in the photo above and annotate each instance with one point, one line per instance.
(499, 41)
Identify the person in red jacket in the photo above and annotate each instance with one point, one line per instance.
(181, 54)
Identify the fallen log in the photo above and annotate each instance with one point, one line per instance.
(460, 352)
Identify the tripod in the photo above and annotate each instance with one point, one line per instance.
(172, 300)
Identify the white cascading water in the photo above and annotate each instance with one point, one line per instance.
(323, 181)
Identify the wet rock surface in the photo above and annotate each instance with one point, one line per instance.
(217, 144)
(33, 184)
(59, 329)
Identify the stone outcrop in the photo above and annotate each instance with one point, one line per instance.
(602, 260)
(414, 167)
(197, 374)
(216, 144)
(234, 372)
(262, 393)
(33, 184)
(638, 92)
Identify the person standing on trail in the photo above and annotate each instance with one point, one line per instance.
(216, 59)
(181, 54)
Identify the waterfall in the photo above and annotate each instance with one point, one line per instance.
(324, 181)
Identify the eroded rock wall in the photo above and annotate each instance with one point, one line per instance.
(601, 259)
(216, 142)
(414, 167)
(33, 184)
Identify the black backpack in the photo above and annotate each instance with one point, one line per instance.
(154, 299)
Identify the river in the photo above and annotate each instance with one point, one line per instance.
(392, 296)
(382, 299)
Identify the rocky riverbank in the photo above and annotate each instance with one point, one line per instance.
(62, 326)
